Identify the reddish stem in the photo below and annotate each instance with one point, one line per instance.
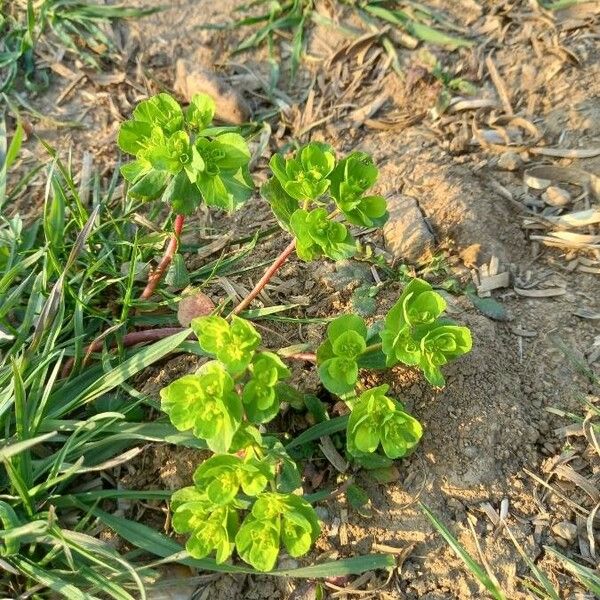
(131, 339)
(277, 264)
(163, 265)
(152, 335)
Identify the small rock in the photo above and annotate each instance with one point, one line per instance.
(566, 530)
(555, 196)
(322, 513)
(509, 161)
(191, 79)
(194, 306)
(407, 235)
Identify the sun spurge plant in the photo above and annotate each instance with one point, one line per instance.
(248, 496)
(416, 334)
(312, 195)
(180, 159)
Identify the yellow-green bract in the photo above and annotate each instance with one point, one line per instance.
(180, 159)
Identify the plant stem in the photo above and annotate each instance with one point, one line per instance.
(305, 356)
(163, 265)
(131, 339)
(277, 264)
(373, 348)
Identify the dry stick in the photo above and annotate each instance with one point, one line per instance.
(131, 339)
(277, 264)
(163, 265)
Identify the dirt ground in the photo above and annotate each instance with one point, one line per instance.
(537, 80)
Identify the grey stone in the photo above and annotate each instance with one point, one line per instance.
(509, 161)
(566, 530)
(407, 234)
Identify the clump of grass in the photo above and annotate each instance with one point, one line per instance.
(77, 27)
(290, 20)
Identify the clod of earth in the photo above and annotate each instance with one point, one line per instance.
(407, 234)
(191, 79)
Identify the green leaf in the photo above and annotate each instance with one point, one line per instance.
(161, 110)
(304, 177)
(260, 393)
(150, 185)
(377, 419)
(317, 235)
(319, 430)
(257, 542)
(182, 194)
(490, 307)
(207, 403)
(200, 112)
(282, 204)
(133, 136)
(439, 344)
(233, 344)
(177, 275)
(224, 182)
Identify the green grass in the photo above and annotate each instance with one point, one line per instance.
(78, 27)
(290, 21)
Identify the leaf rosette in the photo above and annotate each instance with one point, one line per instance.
(378, 420)
(337, 357)
(205, 402)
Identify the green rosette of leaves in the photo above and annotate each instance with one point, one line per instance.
(318, 235)
(180, 160)
(222, 477)
(351, 178)
(211, 528)
(378, 420)
(207, 403)
(233, 343)
(304, 177)
(337, 357)
(415, 335)
(440, 343)
(276, 518)
(260, 392)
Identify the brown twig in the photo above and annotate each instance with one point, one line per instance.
(131, 339)
(152, 335)
(163, 265)
(305, 356)
(277, 264)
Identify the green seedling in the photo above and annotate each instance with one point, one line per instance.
(229, 397)
(415, 334)
(303, 189)
(182, 160)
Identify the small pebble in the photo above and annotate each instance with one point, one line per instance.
(566, 530)
(510, 161)
(555, 196)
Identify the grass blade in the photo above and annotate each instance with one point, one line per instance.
(158, 544)
(319, 430)
(588, 577)
(474, 567)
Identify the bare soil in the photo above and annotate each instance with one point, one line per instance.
(491, 421)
